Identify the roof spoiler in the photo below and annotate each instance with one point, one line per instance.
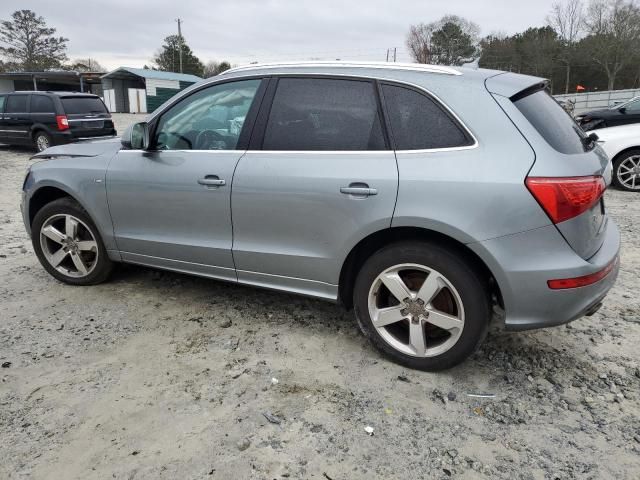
(514, 85)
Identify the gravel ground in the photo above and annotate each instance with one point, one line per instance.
(160, 375)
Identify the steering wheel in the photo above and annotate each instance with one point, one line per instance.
(210, 140)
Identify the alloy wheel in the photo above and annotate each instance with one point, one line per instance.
(69, 245)
(416, 310)
(42, 142)
(628, 172)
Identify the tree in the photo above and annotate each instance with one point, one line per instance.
(449, 43)
(614, 35)
(168, 58)
(86, 65)
(30, 44)
(567, 20)
(451, 46)
(215, 68)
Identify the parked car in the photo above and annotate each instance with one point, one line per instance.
(427, 198)
(622, 145)
(623, 114)
(43, 119)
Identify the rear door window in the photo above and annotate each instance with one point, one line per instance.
(323, 114)
(419, 123)
(552, 122)
(17, 104)
(41, 104)
(79, 105)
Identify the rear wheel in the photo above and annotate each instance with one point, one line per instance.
(422, 305)
(626, 171)
(42, 140)
(68, 245)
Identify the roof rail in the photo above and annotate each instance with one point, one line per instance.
(418, 67)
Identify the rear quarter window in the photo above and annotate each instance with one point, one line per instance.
(552, 122)
(76, 105)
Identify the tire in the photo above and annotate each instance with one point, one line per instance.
(83, 260)
(42, 140)
(625, 168)
(462, 305)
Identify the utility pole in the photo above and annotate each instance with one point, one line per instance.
(179, 42)
(387, 55)
(395, 51)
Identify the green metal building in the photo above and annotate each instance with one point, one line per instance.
(139, 90)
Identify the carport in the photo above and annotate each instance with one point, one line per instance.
(141, 90)
(59, 81)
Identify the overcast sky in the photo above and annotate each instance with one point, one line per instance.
(128, 32)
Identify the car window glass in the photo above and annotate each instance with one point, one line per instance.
(80, 105)
(418, 122)
(324, 114)
(633, 107)
(2, 97)
(16, 104)
(41, 104)
(210, 119)
(552, 122)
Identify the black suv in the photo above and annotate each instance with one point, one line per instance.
(43, 119)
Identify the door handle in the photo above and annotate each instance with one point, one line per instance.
(212, 181)
(359, 190)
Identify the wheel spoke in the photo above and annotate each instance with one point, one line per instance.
(387, 316)
(416, 338)
(79, 263)
(52, 233)
(396, 286)
(71, 226)
(87, 246)
(57, 257)
(444, 320)
(430, 288)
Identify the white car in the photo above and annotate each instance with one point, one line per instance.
(622, 145)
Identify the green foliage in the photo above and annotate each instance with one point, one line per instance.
(168, 58)
(215, 68)
(451, 46)
(29, 44)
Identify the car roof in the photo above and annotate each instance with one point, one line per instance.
(58, 94)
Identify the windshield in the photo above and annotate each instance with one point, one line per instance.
(77, 105)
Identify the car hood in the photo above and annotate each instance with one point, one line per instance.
(91, 148)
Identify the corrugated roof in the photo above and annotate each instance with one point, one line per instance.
(148, 73)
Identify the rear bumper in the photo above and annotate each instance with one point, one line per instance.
(523, 263)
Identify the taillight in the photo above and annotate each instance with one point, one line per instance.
(62, 122)
(566, 197)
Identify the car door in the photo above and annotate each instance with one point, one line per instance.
(3, 134)
(319, 177)
(170, 205)
(16, 119)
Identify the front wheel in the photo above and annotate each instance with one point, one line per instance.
(626, 171)
(422, 305)
(67, 243)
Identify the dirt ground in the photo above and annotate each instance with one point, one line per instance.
(157, 375)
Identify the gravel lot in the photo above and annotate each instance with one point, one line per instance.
(159, 375)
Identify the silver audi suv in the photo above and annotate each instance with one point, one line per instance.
(430, 200)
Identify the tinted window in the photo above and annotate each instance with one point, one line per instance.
(16, 104)
(210, 119)
(41, 104)
(324, 114)
(2, 97)
(552, 122)
(76, 105)
(418, 122)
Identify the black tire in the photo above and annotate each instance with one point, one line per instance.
(472, 289)
(617, 164)
(67, 206)
(40, 138)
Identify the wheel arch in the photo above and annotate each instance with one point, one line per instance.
(622, 152)
(375, 241)
(45, 195)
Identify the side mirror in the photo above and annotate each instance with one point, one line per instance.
(623, 110)
(136, 137)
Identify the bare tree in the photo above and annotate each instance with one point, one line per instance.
(215, 68)
(420, 37)
(567, 19)
(86, 65)
(614, 40)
